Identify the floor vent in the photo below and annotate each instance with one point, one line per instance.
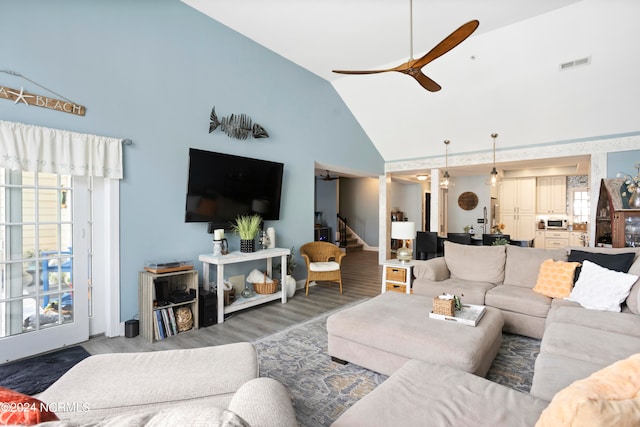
(575, 63)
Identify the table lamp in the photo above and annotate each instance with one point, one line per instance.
(403, 230)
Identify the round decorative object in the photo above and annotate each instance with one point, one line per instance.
(184, 318)
(468, 200)
(291, 285)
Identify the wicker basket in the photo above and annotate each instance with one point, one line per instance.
(266, 288)
(445, 307)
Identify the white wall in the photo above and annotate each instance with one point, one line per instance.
(458, 217)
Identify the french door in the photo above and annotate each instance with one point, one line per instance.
(45, 253)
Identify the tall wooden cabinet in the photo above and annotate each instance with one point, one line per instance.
(517, 207)
(615, 226)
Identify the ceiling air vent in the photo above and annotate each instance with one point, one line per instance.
(575, 63)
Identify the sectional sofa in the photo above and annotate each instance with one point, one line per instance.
(215, 385)
(580, 347)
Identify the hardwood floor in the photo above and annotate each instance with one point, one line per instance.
(361, 278)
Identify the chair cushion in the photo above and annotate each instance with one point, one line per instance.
(324, 266)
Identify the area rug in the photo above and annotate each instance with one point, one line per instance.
(33, 375)
(321, 390)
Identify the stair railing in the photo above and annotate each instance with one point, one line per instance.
(342, 230)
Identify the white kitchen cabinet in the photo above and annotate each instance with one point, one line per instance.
(552, 195)
(518, 207)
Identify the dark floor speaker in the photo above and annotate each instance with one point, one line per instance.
(207, 308)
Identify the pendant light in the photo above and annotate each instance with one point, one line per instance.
(494, 172)
(444, 183)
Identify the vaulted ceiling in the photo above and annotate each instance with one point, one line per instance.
(505, 78)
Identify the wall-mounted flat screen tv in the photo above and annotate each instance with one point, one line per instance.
(222, 186)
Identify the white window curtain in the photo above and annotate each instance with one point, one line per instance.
(39, 149)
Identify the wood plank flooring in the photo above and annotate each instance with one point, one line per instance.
(361, 278)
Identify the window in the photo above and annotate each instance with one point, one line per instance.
(579, 205)
(36, 251)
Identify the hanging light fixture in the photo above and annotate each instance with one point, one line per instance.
(494, 171)
(444, 183)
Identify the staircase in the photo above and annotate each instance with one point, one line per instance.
(348, 241)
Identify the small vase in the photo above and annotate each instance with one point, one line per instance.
(634, 200)
(290, 285)
(247, 245)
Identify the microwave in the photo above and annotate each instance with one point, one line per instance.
(557, 224)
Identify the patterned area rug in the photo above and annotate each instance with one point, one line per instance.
(321, 390)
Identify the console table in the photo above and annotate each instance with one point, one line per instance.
(237, 257)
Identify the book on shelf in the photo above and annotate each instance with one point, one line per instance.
(172, 319)
(166, 323)
(468, 315)
(161, 334)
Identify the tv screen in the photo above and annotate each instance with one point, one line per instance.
(222, 186)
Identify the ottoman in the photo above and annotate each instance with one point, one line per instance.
(385, 332)
(424, 394)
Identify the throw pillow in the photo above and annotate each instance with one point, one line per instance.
(599, 288)
(20, 409)
(609, 397)
(616, 262)
(555, 278)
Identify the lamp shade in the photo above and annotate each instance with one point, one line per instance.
(403, 230)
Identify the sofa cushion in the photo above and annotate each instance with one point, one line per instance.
(20, 409)
(609, 397)
(426, 394)
(632, 301)
(523, 264)
(109, 391)
(553, 372)
(616, 262)
(591, 345)
(177, 415)
(622, 323)
(555, 278)
(518, 299)
(477, 263)
(469, 291)
(599, 288)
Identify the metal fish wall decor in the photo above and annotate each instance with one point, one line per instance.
(237, 126)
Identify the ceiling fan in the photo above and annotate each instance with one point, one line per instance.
(328, 177)
(413, 67)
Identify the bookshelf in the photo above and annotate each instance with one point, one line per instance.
(153, 316)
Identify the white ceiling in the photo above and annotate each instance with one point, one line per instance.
(478, 77)
(321, 35)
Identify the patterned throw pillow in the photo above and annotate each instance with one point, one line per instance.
(555, 278)
(20, 409)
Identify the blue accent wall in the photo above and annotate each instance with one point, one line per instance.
(622, 162)
(151, 72)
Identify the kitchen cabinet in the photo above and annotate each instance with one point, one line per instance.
(518, 207)
(551, 195)
(539, 239)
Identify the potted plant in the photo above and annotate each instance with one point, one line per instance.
(247, 227)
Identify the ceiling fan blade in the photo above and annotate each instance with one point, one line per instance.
(363, 72)
(451, 41)
(425, 81)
